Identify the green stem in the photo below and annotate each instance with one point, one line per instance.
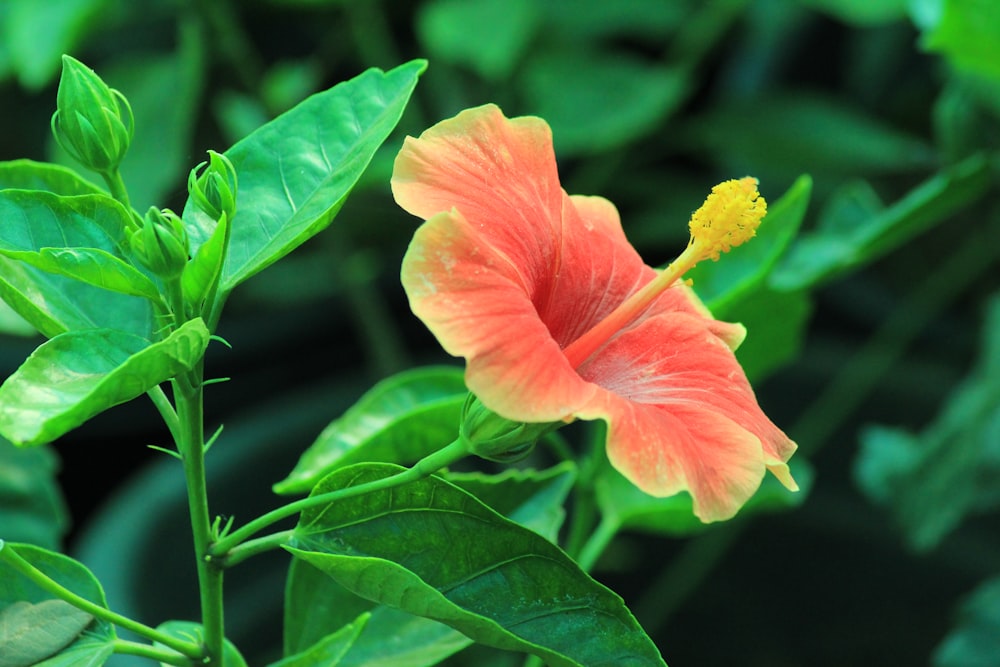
(191, 446)
(166, 410)
(597, 543)
(426, 466)
(116, 186)
(153, 653)
(39, 578)
(250, 548)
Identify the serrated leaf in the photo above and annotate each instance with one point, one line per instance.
(79, 374)
(511, 588)
(399, 420)
(54, 178)
(94, 646)
(193, 632)
(32, 508)
(296, 171)
(329, 651)
(53, 303)
(721, 284)
(314, 603)
(31, 632)
(625, 507)
(846, 241)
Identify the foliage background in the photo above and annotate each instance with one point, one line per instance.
(651, 103)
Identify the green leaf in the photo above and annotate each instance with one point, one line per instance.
(975, 640)
(488, 36)
(511, 588)
(933, 480)
(29, 632)
(54, 178)
(720, 284)
(315, 603)
(775, 135)
(296, 172)
(89, 649)
(776, 325)
(193, 632)
(13, 324)
(329, 651)
(79, 374)
(967, 32)
(53, 303)
(32, 509)
(201, 271)
(625, 507)
(94, 267)
(399, 420)
(598, 101)
(38, 34)
(853, 231)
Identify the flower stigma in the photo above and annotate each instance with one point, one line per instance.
(728, 218)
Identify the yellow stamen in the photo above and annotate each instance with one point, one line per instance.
(730, 216)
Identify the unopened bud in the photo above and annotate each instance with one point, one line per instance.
(214, 190)
(496, 438)
(93, 123)
(161, 243)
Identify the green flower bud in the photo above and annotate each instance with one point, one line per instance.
(214, 191)
(161, 244)
(93, 123)
(496, 438)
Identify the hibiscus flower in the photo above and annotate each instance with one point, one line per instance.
(558, 318)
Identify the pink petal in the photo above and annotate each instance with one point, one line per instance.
(682, 414)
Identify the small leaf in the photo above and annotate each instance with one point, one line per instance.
(32, 508)
(975, 640)
(625, 507)
(79, 374)
(720, 284)
(95, 645)
(52, 303)
(933, 480)
(510, 589)
(595, 102)
(296, 172)
(193, 632)
(54, 178)
(202, 270)
(847, 240)
(95, 267)
(399, 420)
(329, 651)
(29, 633)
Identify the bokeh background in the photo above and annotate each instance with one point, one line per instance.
(877, 346)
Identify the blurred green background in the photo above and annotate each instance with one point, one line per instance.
(874, 342)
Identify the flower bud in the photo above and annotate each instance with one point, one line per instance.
(496, 438)
(214, 191)
(93, 123)
(161, 243)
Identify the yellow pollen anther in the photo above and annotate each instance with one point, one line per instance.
(730, 216)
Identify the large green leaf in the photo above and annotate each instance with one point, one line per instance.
(89, 649)
(968, 33)
(315, 603)
(776, 325)
(510, 588)
(721, 283)
(296, 172)
(32, 509)
(54, 303)
(399, 420)
(79, 374)
(625, 507)
(853, 230)
(54, 178)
